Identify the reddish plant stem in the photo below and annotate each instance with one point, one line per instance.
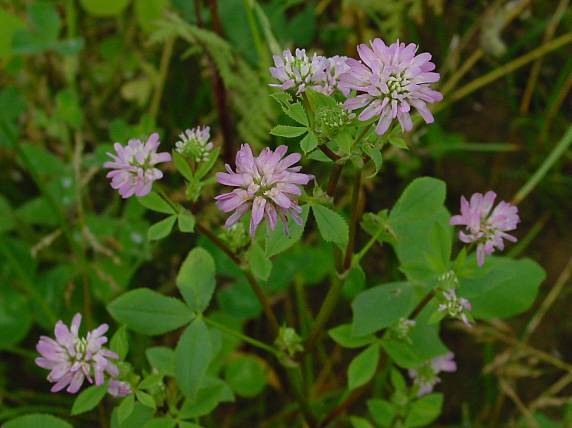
(329, 152)
(356, 214)
(334, 178)
(342, 407)
(219, 91)
(422, 305)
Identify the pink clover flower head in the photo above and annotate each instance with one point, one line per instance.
(485, 225)
(118, 389)
(389, 81)
(336, 66)
(195, 143)
(268, 184)
(71, 359)
(426, 377)
(299, 72)
(456, 307)
(133, 166)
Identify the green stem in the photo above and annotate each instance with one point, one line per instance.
(163, 70)
(304, 406)
(71, 19)
(325, 312)
(333, 294)
(263, 58)
(357, 258)
(77, 162)
(295, 379)
(244, 337)
(362, 134)
(550, 160)
(266, 307)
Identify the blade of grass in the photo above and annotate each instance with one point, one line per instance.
(523, 243)
(506, 69)
(550, 160)
(535, 69)
(548, 301)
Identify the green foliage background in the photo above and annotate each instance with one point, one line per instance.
(76, 76)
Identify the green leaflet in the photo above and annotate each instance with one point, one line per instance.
(148, 312)
(502, 287)
(196, 279)
(192, 358)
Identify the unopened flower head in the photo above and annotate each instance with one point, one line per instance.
(390, 80)
(455, 307)
(235, 236)
(484, 225)
(288, 341)
(133, 166)
(448, 280)
(194, 143)
(118, 389)
(71, 359)
(299, 72)
(427, 376)
(329, 119)
(268, 184)
(401, 330)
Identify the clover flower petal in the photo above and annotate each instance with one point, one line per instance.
(133, 166)
(195, 143)
(484, 225)
(72, 359)
(299, 72)
(389, 81)
(267, 185)
(427, 376)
